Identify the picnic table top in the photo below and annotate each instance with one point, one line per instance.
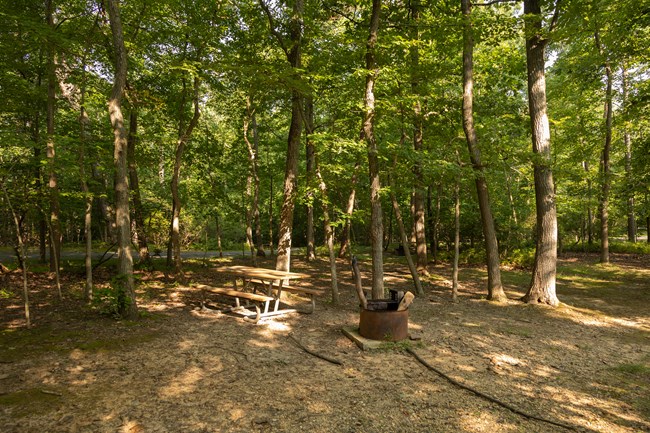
(261, 273)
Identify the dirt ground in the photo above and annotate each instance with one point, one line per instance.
(183, 369)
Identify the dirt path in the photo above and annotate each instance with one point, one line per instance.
(184, 369)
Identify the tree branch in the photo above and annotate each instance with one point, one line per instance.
(274, 31)
(556, 14)
(493, 2)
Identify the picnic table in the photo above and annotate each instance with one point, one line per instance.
(270, 283)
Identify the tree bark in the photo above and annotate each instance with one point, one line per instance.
(126, 301)
(376, 223)
(134, 185)
(495, 288)
(605, 166)
(310, 156)
(329, 234)
(631, 218)
(88, 198)
(22, 254)
(418, 145)
(183, 138)
(55, 207)
(251, 183)
(293, 53)
(344, 250)
(219, 236)
(256, 191)
(542, 286)
(404, 238)
(454, 273)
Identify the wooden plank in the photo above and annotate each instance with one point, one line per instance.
(293, 289)
(235, 293)
(263, 273)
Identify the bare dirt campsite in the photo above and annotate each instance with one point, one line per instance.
(584, 365)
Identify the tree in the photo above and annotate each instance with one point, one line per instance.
(495, 288)
(293, 54)
(542, 286)
(126, 302)
(376, 219)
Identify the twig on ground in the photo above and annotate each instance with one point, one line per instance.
(317, 355)
(45, 391)
(488, 397)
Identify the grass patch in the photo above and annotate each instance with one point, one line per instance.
(634, 369)
(31, 401)
(516, 331)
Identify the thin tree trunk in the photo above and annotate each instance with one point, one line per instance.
(184, 137)
(252, 173)
(256, 191)
(344, 250)
(329, 234)
(126, 301)
(454, 274)
(219, 237)
(542, 286)
(376, 223)
(419, 193)
(631, 218)
(404, 239)
(436, 224)
(590, 216)
(495, 288)
(605, 168)
(88, 198)
(38, 183)
(55, 208)
(22, 253)
(310, 156)
(134, 184)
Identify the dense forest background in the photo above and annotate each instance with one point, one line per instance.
(219, 99)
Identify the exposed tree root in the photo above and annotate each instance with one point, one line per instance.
(490, 398)
(317, 355)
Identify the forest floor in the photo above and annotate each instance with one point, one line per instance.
(183, 369)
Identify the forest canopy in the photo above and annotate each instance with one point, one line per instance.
(179, 124)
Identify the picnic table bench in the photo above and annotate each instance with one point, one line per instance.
(270, 281)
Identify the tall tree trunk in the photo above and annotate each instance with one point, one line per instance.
(105, 208)
(590, 216)
(126, 301)
(436, 224)
(256, 191)
(376, 223)
(38, 183)
(631, 219)
(495, 288)
(605, 168)
(454, 273)
(419, 193)
(250, 184)
(219, 236)
(311, 156)
(293, 53)
(22, 253)
(329, 233)
(344, 250)
(88, 198)
(183, 138)
(134, 184)
(55, 208)
(542, 286)
(403, 236)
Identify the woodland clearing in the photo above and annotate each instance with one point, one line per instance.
(182, 368)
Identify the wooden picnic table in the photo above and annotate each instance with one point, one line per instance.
(272, 282)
